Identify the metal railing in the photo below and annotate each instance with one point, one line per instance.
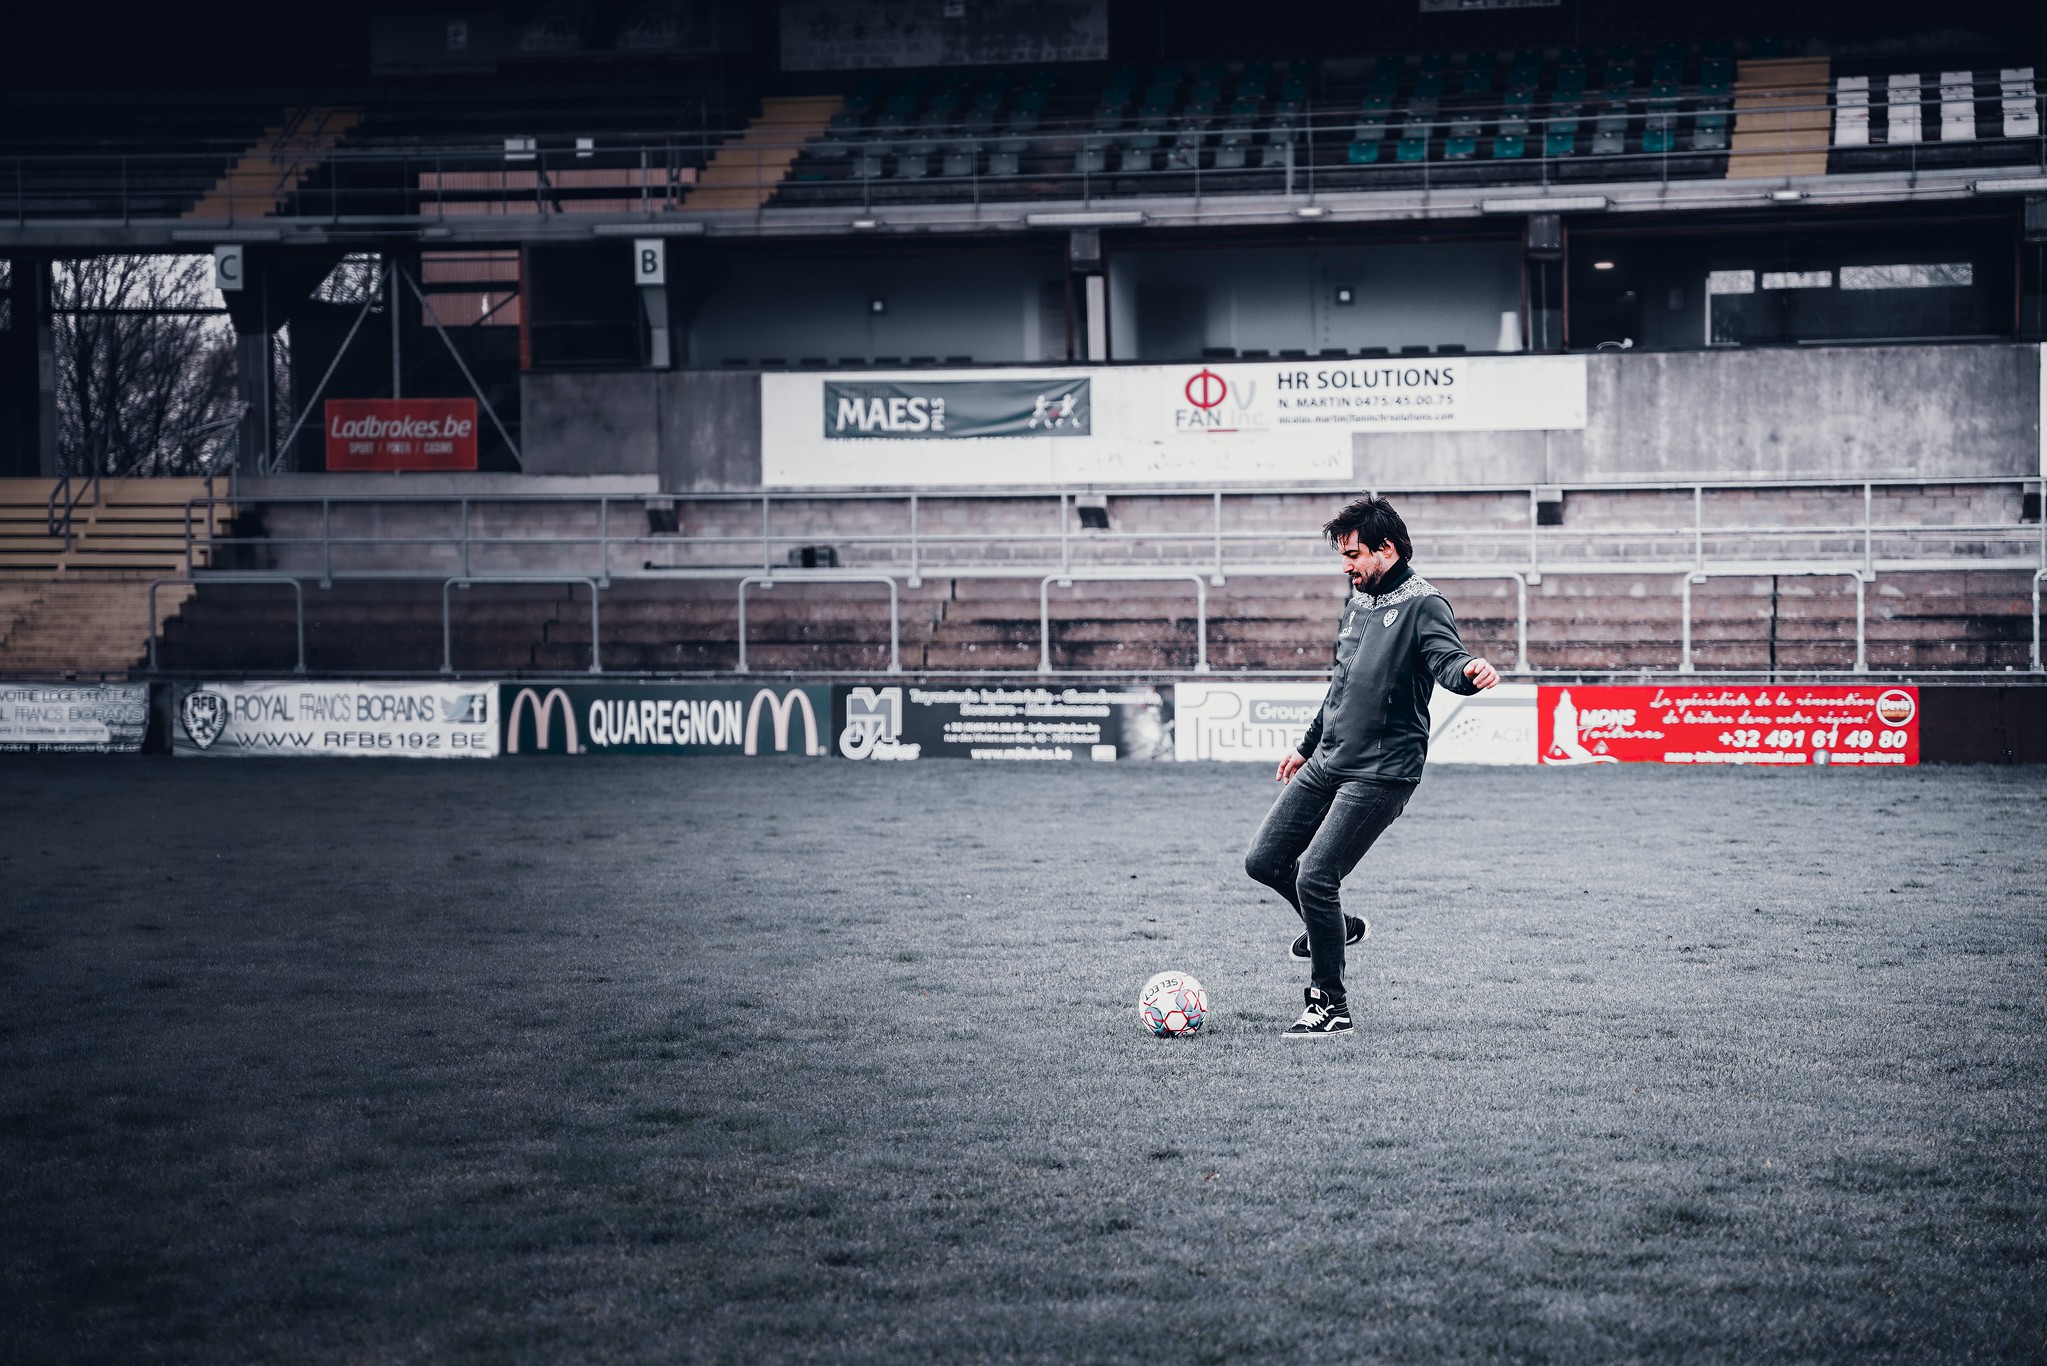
(895, 608)
(1521, 546)
(1533, 548)
(1182, 151)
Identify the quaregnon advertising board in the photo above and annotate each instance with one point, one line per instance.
(405, 720)
(1740, 724)
(676, 718)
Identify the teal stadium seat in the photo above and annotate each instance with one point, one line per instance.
(1656, 140)
(1460, 149)
(1559, 142)
(1509, 147)
(1411, 149)
(1428, 86)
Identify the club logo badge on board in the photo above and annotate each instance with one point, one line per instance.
(205, 717)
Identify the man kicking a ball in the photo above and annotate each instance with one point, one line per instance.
(1362, 756)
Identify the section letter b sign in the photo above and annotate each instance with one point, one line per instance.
(650, 261)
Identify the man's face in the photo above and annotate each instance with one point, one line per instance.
(1364, 568)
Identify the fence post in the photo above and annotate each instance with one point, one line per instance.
(916, 559)
(1217, 577)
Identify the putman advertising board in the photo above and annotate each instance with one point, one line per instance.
(1261, 722)
(405, 720)
(1012, 725)
(1742, 724)
(97, 718)
(1144, 423)
(677, 718)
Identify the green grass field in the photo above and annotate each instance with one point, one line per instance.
(761, 1061)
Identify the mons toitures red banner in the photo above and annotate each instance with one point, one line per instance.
(1782, 723)
(401, 433)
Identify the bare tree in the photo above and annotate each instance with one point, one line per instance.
(145, 364)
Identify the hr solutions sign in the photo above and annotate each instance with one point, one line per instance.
(1138, 424)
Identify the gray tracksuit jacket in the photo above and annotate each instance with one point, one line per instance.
(1394, 647)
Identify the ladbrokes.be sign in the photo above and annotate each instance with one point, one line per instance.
(680, 718)
(401, 433)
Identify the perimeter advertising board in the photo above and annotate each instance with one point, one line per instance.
(99, 718)
(404, 720)
(1003, 725)
(1142, 423)
(1262, 722)
(1740, 724)
(401, 434)
(676, 718)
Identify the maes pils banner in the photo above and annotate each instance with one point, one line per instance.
(1741, 724)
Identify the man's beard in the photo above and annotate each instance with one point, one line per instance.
(1364, 581)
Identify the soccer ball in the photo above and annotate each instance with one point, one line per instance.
(1172, 1005)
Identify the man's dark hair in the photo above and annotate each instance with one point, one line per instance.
(1375, 522)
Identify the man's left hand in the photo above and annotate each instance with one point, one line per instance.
(1481, 673)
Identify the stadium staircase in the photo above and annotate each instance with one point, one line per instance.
(78, 607)
(744, 172)
(1781, 119)
(270, 172)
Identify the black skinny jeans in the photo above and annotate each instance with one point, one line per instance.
(1313, 836)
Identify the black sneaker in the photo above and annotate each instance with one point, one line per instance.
(1321, 1020)
(1356, 930)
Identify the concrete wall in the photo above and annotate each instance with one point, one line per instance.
(988, 307)
(1782, 413)
(1904, 411)
(1168, 305)
(584, 422)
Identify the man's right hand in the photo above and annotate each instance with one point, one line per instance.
(1290, 765)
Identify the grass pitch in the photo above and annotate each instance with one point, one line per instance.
(763, 1061)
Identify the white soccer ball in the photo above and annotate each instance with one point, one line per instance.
(1172, 1005)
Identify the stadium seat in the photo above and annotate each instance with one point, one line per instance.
(1272, 156)
(1371, 128)
(1135, 160)
(1428, 86)
(912, 167)
(869, 166)
(1608, 142)
(1656, 140)
(1559, 143)
(1509, 147)
(1229, 158)
(1294, 89)
(1363, 153)
(958, 165)
(1002, 163)
(1090, 161)
(1466, 126)
(1411, 149)
(1460, 148)
(1477, 81)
